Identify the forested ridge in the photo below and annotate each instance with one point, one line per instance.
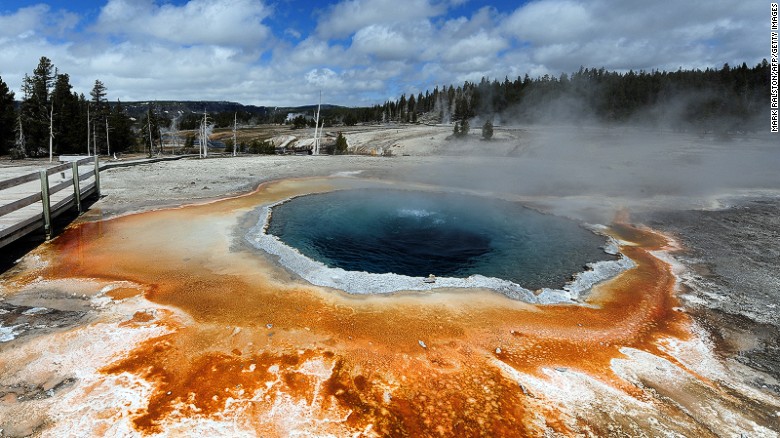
(726, 99)
(711, 99)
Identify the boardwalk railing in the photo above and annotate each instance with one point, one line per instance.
(33, 207)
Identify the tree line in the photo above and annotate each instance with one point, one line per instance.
(712, 99)
(53, 119)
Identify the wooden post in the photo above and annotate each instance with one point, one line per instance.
(46, 203)
(76, 184)
(97, 176)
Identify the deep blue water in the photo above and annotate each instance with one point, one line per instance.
(419, 233)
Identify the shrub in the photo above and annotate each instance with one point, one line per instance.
(487, 130)
(341, 145)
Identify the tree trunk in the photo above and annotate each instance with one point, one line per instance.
(108, 145)
(88, 129)
(235, 122)
(51, 133)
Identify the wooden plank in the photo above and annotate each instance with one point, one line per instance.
(60, 186)
(13, 182)
(60, 168)
(88, 190)
(62, 206)
(16, 205)
(30, 228)
(83, 176)
(36, 220)
(84, 160)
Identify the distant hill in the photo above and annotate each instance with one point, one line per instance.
(138, 108)
(171, 107)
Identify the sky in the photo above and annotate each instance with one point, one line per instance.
(361, 52)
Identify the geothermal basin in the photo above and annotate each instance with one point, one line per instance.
(192, 320)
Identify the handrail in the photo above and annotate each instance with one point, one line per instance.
(86, 175)
(55, 169)
(60, 186)
(19, 180)
(21, 203)
(43, 195)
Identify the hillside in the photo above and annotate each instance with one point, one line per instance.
(137, 109)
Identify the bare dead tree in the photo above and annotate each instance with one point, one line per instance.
(202, 142)
(160, 140)
(19, 150)
(316, 147)
(235, 124)
(108, 145)
(88, 129)
(205, 131)
(149, 126)
(51, 132)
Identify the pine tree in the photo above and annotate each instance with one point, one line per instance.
(121, 131)
(68, 133)
(7, 118)
(341, 145)
(35, 110)
(487, 130)
(99, 113)
(464, 128)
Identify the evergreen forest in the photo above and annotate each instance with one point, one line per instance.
(725, 99)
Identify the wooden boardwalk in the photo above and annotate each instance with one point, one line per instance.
(29, 203)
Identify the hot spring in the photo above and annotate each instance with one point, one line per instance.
(415, 233)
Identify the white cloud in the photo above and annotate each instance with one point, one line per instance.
(349, 16)
(23, 23)
(407, 41)
(550, 22)
(25, 36)
(216, 22)
(479, 45)
(293, 33)
(562, 34)
(364, 51)
(37, 20)
(312, 52)
(324, 78)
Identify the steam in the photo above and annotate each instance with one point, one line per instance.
(591, 171)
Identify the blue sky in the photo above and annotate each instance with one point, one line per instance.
(360, 52)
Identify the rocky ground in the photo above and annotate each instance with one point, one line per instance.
(733, 281)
